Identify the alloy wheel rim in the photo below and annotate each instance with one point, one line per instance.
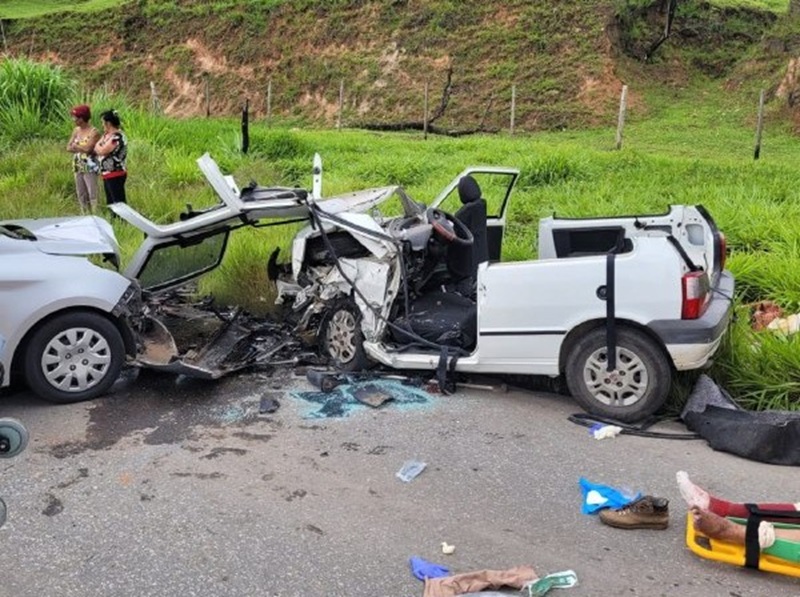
(76, 359)
(623, 386)
(341, 336)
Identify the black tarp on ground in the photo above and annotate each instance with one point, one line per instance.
(765, 436)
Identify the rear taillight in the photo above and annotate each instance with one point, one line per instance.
(722, 248)
(695, 288)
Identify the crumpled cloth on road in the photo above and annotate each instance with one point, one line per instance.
(470, 582)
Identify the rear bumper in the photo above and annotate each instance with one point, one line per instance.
(691, 343)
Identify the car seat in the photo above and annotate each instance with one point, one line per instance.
(463, 261)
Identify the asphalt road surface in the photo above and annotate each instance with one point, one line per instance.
(183, 488)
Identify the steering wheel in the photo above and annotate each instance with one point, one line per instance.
(449, 228)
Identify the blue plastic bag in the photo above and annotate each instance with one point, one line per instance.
(596, 497)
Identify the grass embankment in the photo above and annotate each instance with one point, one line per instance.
(685, 152)
(26, 9)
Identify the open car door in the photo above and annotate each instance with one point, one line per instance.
(496, 185)
(172, 254)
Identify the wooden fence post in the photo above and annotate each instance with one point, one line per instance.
(513, 107)
(759, 125)
(154, 98)
(341, 105)
(246, 126)
(623, 103)
(208, 94)
(425, 113)
(269, 98)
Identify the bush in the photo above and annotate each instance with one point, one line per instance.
(34, 99)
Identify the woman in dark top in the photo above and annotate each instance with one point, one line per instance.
(112, 149)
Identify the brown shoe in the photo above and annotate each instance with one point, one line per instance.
(647, 512)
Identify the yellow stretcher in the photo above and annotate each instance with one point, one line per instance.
(783, 557)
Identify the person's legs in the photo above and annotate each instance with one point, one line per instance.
(697, 497)
(115, 189)
(120, 192)
(90, 180)
(109, 191)
(82, 191)
(717, 527)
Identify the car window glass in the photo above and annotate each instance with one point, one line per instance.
(399, 204)
(170, 265)
(494, 188)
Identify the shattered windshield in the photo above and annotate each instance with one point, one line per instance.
(398, 204)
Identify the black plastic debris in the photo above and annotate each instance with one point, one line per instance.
(372, 394)
(268, 405)
(325, 380)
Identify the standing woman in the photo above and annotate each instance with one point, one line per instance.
(81, 146)
(112, 149)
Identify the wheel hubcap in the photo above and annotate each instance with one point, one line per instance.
(76, 359)
(341, 336)
(622, 386)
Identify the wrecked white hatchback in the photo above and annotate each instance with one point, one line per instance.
(613, 304)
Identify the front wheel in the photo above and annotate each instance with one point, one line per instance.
(74, 356)
(341, 338)
(636, 388)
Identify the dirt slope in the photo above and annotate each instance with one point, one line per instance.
(567, 59)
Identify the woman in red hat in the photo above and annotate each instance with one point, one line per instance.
(84, 165)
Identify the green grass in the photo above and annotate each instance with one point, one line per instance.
(26, 9)
(777, 6)
(33, 97)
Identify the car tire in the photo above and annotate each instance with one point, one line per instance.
(341, 339)
(74, 356)
(638, 386)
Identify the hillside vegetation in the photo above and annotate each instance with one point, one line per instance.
(568, 60)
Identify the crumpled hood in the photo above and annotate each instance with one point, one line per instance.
(83, 235)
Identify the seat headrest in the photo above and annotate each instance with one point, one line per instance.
(468, 189)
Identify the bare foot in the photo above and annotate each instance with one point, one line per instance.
(716, 527)
(695, 496)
